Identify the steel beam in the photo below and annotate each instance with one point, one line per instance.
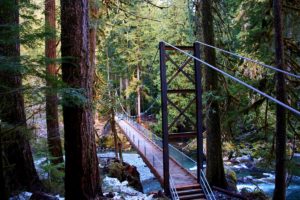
(164, 110)
(187, 48)
(181, 91)
(191, 134)
(199, 119)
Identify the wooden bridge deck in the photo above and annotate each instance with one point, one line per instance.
(153, 157)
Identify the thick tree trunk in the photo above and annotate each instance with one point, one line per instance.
(3, 192)
(214, 162)
(53, 136)
(19, 170)
(82, 174)
(280, 171)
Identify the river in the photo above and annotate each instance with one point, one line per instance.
(247, 177)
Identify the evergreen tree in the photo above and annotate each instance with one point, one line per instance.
(214, 159)
(82, 175)
(19, 172)
(53, 136)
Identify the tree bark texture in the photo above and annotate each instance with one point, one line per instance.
(94, 18)
(82, 175)
(128, 110)
(3, 191)
(19, 170)
(214, 163)
(114, 131)
(53, 136)
(138, 95)
(280, 169)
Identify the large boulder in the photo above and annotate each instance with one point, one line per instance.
(124, 172)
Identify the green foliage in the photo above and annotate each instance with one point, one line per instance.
(131, 33)
(52, 175)
(55, 177)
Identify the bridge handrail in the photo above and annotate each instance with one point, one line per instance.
(174, 192)
(203, 182)
(206, 187)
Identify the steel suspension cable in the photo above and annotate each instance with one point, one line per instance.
(134, 116)
(251, 60)
(297, 112)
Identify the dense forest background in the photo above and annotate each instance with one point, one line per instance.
(38, 44)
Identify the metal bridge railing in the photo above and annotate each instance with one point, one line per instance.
(181, 158)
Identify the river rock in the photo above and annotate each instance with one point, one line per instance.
(125, 172)
(254, 194)
(42, 196)
(244, 159)
(113, 187)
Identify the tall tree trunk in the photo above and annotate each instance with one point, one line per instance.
(127, 96)
(214, 162)
(94, 12)
(94, 17)
(19, 170)
(114, 131)
(121, 85)
(138, 96)
(54, 142)
(198, 21)
(280, 171)
(82, 174)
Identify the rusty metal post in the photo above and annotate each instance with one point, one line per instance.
(164, 110)
(199, 126)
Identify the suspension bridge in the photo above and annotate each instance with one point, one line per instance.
(182, 177)
(183, 182)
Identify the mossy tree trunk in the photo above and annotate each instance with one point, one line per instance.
(94, 17)
(214, 162)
